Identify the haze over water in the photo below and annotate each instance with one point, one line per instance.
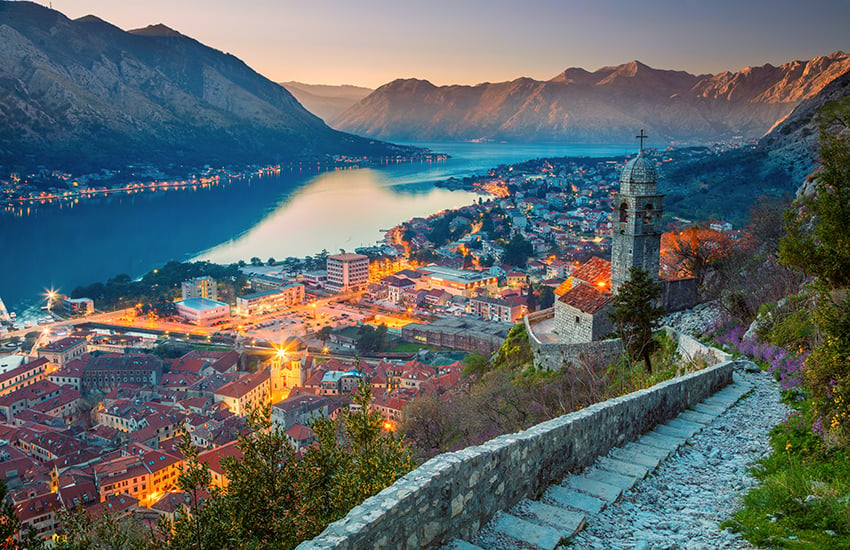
(273, 216)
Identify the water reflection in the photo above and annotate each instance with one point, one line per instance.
(293, 214)
(336, 210)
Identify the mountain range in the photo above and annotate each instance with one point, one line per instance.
(604, 106)
(326, 101)
(85, 94)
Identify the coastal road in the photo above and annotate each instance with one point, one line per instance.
(107, 317)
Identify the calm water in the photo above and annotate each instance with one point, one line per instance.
(288, 215)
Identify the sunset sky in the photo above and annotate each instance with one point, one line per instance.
(371, 42)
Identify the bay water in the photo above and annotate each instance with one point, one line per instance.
(294, 213)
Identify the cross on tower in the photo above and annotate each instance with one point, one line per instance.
(641, 137)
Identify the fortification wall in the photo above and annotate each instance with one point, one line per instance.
(454, 494)
(555, 356)
(679, 294)
(691, 348)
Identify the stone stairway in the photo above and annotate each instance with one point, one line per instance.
(566, 508)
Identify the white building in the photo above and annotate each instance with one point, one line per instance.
(270, 300)
(200, 287)
(347, 272)
(202, 311)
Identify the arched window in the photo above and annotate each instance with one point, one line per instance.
(624, 213)
(648, 215)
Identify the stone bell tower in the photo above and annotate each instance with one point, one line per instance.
(637, 220)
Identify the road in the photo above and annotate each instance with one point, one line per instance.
(107, 317)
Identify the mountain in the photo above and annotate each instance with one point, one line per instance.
(725, 185)
(326, 101)
(605, 106)
(793, 142)
(85, 94)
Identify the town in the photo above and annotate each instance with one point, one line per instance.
(43, 186)
(96, 406)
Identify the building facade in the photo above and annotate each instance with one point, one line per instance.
(110, 370)
(459, 282)
(61, 352)
(200, 287)
(494, 309)
(636, 240)
(270, 300)
(203, 311)
(347, 272)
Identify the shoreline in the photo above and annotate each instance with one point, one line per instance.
(58, 196)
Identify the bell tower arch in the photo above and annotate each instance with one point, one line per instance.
(637, 230)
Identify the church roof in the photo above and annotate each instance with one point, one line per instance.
(639, 170)
(595, 271)
(586, 298)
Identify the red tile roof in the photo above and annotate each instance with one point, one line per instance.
(244, 385)
(593, 272)
(62, 345)
(300, 433)
(188, 365)
(586, 298)
(212, 458)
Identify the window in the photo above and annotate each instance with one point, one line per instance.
(578, 319)
(624, 213)
(648, 215)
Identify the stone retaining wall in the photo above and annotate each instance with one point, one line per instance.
(454, 494)
(556, 356)
(691, 348)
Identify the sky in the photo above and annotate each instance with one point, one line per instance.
(372, 42)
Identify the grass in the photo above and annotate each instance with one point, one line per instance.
(411, 347)
(625, 377)
(803, 501)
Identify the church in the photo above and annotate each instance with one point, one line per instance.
(586, 297)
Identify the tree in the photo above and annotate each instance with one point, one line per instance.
(352, 460)
(531, 298)
(324, 334)
(476, 365)
(10, 525)
(636, 316)
(817, 240)
(193, 530)
(818, 243)
(515, 353)
(82, 531)
(547, 297)
(271, 261)
(517, 251)
(262, 500)
(693, 251)
(370, 338)
(255, 261)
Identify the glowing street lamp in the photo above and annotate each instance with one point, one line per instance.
(50, 294)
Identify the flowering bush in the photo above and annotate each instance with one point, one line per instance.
(828, 380)
(786, 366)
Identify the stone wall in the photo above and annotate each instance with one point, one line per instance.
(555, 356)
(691, 348)
(679, 294)
(572, 325)
(454, 494)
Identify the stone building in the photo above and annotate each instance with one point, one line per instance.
(636, 241)
(584, 300)
(580, 315)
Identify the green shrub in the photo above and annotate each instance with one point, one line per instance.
(804, 497)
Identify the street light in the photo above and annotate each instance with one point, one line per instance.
(50, 295)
